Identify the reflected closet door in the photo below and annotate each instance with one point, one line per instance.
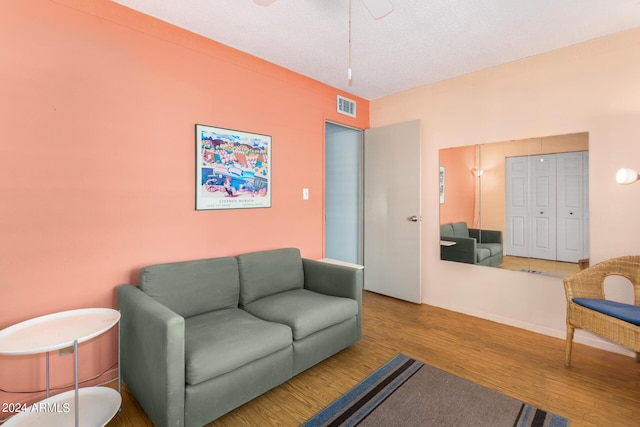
(517, 209)
(543, 207)
(571, 206)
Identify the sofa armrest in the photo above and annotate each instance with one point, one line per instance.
(463, 251)
(336, 280)
(486, 236)
(152, 355)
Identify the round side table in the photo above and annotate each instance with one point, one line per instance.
(87, 406)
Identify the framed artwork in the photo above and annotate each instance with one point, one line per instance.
(441, 184)
(233, 169)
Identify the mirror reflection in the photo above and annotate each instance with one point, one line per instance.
(520, 205)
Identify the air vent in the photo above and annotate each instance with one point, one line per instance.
(346, 106)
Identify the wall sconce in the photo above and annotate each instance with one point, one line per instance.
(477, 172)
(626, 176)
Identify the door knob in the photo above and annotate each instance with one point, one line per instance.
(414, 218)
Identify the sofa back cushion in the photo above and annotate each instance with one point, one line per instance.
(269, 272)
(457, 229)
(460, 229)
(193, 287)
(446, 230)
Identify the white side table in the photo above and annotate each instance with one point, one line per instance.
(54, 332)
(344, 263)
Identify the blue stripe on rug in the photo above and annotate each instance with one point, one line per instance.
(373, 395)
(359, 402)
(531, 416)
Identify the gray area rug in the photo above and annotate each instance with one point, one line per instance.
(407, 392)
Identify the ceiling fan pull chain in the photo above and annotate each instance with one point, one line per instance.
(349, 73)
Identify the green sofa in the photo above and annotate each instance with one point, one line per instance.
(471, 245)
(200, 338)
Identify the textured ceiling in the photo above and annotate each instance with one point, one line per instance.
(420, 42)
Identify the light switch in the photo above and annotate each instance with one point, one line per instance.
(305, 194)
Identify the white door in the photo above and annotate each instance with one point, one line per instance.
(571, 206)
(517, 209)
(543, 206)
(392, 211)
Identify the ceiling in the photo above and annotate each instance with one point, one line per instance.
(420, 42)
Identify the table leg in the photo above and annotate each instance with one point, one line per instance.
(119, 370)
(75, 361)
(47, 369)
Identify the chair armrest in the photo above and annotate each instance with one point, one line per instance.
(336, 280)
(463, 251)
(584, 284)
(486, 236)
(152, 355)
(589, 283)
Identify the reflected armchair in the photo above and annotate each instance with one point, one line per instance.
(587, 307)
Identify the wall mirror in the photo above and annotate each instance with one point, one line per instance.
(520, 205)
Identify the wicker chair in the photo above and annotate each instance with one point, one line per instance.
(589, 283)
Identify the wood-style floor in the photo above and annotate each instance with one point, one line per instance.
(543, 265)
(600, 388)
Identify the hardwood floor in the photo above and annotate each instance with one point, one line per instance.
(600, 388)
(535, 264)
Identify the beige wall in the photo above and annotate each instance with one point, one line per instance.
(592, 87)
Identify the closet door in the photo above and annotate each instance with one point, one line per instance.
(543, 206)
(517, 209)
(547, 206)
(571, 206)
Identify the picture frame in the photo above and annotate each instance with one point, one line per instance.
(233, 169)
(441, 185)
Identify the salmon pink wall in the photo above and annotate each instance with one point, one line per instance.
(590, 87)
(460, 185)
(97, 158)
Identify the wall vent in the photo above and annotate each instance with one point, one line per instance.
(346, 106)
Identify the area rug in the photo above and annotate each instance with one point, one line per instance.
(407, 392)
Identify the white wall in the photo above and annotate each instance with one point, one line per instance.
(592, 87)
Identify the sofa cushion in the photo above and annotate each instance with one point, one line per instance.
(221, 341)
(482, 254)
(494, 248)
(269, 272)
(460, 229)
(190, 288)
(446, 230)
(627, 312)
(304, 311)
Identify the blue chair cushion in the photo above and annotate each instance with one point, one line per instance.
(627, 312)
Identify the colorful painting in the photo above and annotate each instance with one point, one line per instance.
(233, 169)
(441, 184)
